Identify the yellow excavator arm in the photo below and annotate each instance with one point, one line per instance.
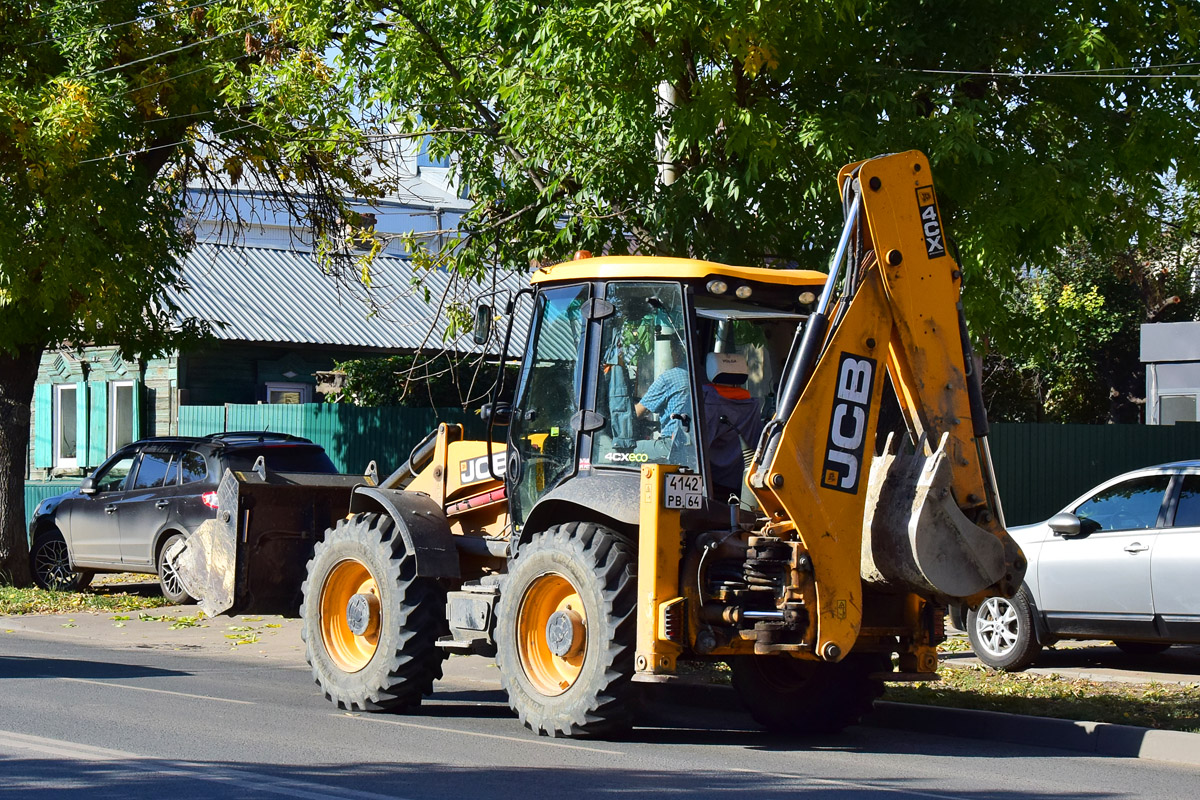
(891, 311)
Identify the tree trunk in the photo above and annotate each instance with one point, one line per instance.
(18, 374)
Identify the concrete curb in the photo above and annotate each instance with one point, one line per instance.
(1098, 738)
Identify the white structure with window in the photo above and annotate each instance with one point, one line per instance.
(1171, 353)
(83, 412)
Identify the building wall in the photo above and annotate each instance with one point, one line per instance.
(93, 372)
(238, 373)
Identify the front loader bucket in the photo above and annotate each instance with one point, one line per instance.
(916, 538)
(252, 557)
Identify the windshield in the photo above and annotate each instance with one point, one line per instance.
(645, 392)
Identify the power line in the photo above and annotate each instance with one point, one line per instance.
(1092, 74)
(179, 49)
(114, 25)
(143, 150)
(179, 75)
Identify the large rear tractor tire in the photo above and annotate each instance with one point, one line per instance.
(565, 631)
(369, 624)
(50, 562)
(790, 696)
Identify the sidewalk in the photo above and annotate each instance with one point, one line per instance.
(278, 639)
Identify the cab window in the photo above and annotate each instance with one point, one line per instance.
(645, 394)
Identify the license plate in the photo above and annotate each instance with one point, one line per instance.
(683, 491)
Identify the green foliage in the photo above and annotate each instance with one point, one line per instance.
(1072, 353)
(442, 381)
(549, 111)
(107, 112)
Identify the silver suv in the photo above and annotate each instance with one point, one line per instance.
(1122, 563)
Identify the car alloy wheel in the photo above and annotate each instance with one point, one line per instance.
(1001, 631)
(997, 626)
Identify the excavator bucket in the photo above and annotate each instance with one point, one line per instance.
(252, 557)
(915, 536)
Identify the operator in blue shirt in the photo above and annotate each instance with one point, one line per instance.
(669, 397)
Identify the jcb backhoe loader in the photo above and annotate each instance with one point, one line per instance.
(782, 469)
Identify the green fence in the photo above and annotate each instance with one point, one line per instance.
(352, 436)
(37, 491)
(1039, 468)
(1042, 467)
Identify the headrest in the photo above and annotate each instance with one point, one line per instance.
(727, 368)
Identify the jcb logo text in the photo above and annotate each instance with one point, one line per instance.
(474, 470)
(848, 424)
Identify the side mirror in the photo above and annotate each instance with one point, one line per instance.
(88, 486)
(497, 413)
(483, 323)
(1066, 525)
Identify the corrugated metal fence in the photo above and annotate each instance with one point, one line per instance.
(37, 491)
(352, 436)
(1042, 467)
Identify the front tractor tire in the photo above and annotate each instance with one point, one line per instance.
(799, 697)
(370, 625)
(565, 631)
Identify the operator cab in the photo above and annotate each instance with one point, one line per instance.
(634, 361)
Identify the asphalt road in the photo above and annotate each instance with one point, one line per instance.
(99, 707)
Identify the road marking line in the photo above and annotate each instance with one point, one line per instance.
(483, 735)
(244, 778)
(158, 691)
(24, 741)
(848, 783)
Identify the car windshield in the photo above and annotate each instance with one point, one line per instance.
(282, 458)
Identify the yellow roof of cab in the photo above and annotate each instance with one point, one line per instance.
(659, 267)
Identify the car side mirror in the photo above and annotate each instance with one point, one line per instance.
(1066, 525)
(483, 323)
(88, 486)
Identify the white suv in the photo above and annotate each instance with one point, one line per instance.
(1122, 563)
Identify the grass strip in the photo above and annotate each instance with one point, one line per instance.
(1148, 705)
(14, 602)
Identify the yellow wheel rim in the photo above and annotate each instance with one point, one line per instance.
(350, 651)
(552, 666)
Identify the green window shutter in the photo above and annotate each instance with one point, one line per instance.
(43, 430)
(81, 423)
(137, 410)
(97, 448)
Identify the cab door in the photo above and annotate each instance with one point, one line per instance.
(543, 441)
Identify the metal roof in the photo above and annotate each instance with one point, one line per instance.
(258, 294)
